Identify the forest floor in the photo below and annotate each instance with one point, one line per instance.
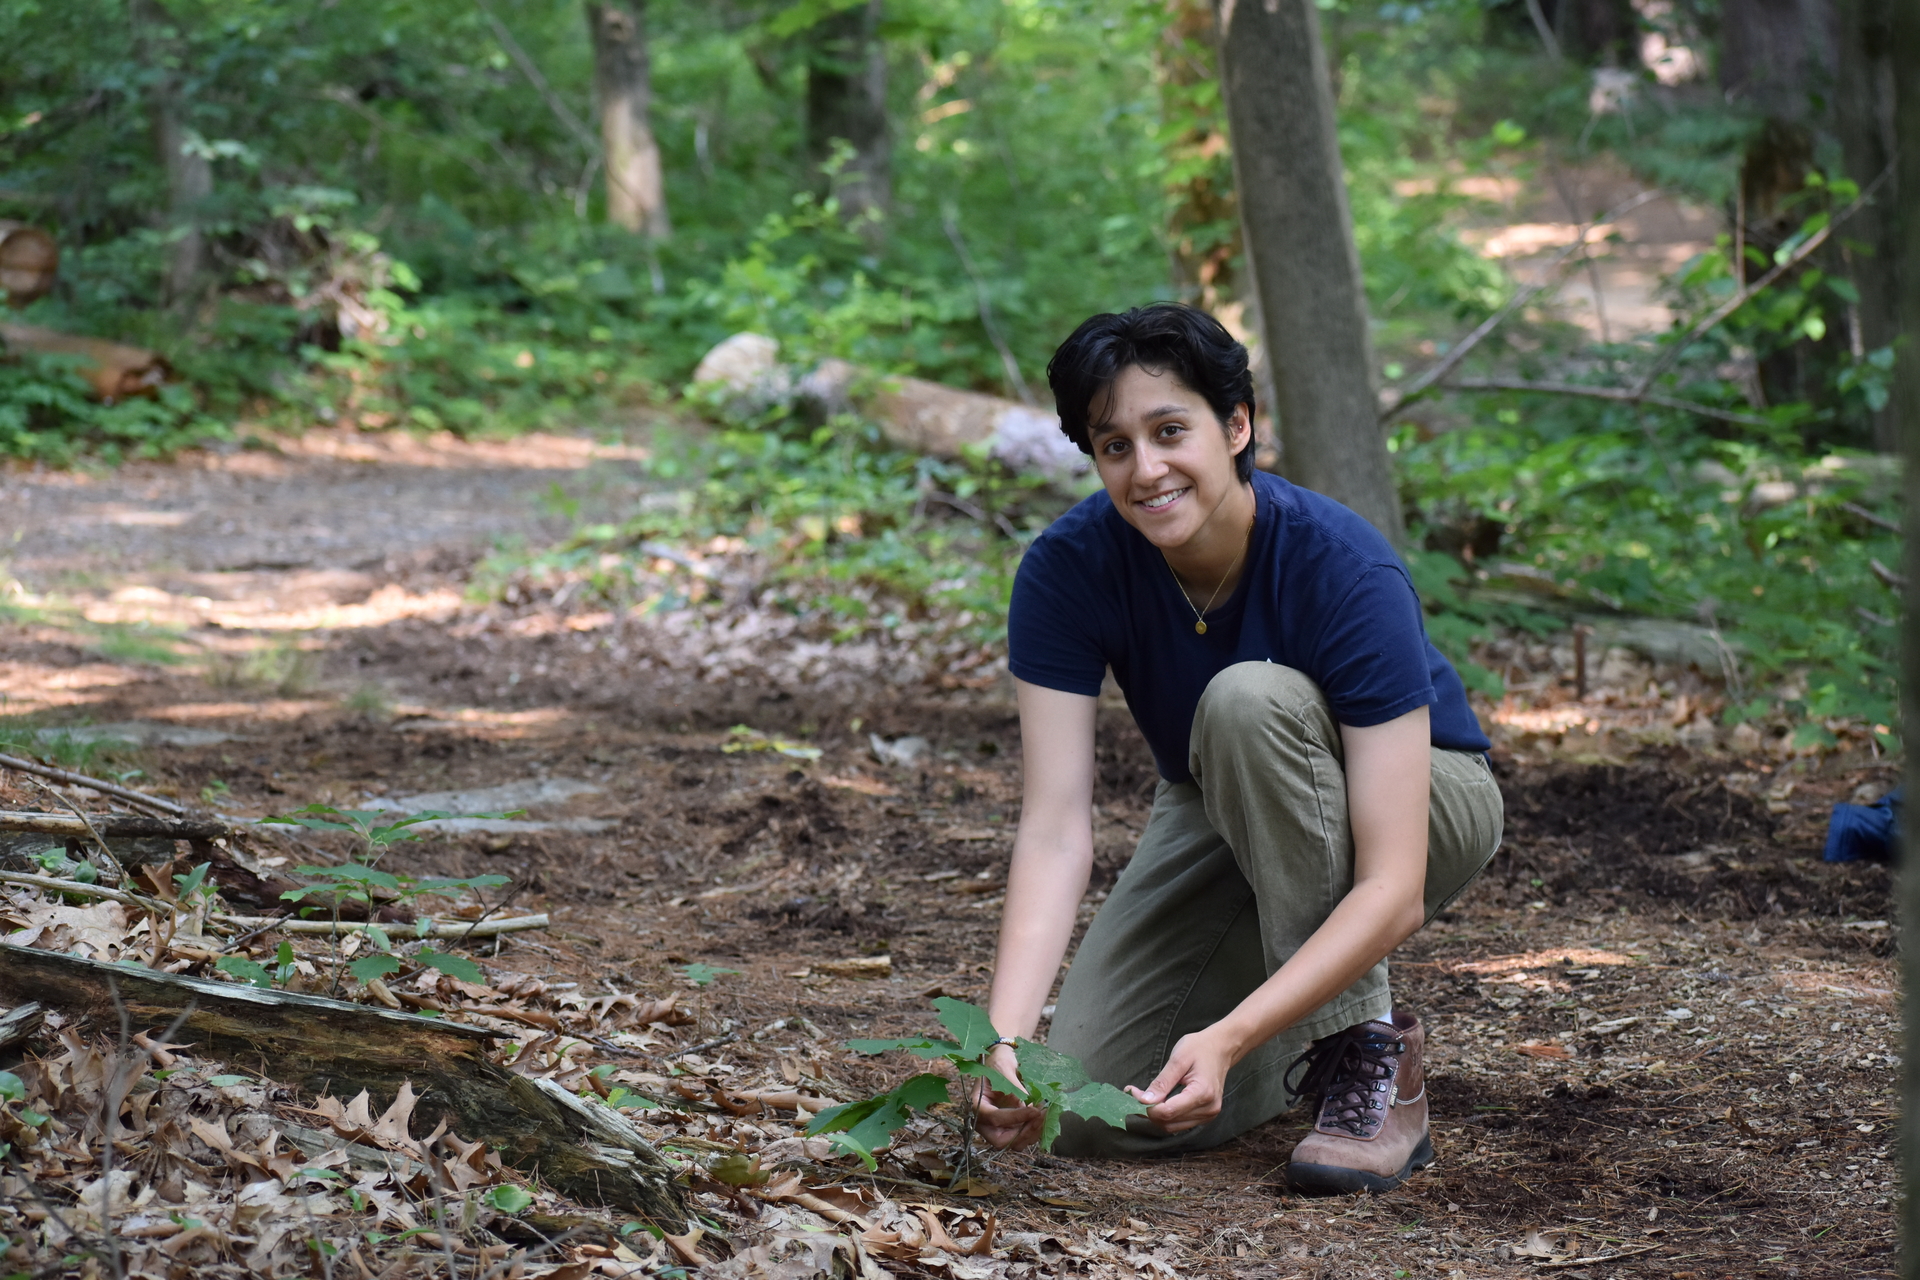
(1663, 1033)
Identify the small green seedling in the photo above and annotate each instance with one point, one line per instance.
(702, 974)
(1055, 1082)
(507, 1198)
(258, 974)
(361, 881)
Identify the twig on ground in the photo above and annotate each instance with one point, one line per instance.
(53, 884)
(1426, 382)
(728, 1038)
(287, 924)
(134, 825)
(93, 784)
(92, 830)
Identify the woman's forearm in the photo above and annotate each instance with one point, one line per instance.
(1369, 923)
(1045, 883)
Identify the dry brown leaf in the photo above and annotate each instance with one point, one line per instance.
(856, 967)
(1535, 1049)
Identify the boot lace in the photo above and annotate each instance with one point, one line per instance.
(1349, 1074)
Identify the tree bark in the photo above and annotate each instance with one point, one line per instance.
(847, 104)
(1300, 251)
(1905, 69)
(623, 90)
(189, 173)
(1863, 117)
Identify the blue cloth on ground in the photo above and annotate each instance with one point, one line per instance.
(1322, 593)
(1865, 832)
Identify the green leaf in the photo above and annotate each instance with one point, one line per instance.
(228, 1082)
(918, 1046)
(969, 1024)
(377, 965)
(1041, 1065)
(378, 937)
(1102, 1102)
(702, 974)
(507, 1198)
(454, 966)
(12, 1087)
(242, 967)
(189, 884)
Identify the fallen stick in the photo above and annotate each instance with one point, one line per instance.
(20, 1023)
(587, 1152)
(458, 929)
(119, 825)
(53, 884)
(93, 784)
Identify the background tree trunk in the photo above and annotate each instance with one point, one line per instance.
(1300, 251)
(1905, 74)
(1863, 117)
(636, 194)
(188, 172)
(847, 102)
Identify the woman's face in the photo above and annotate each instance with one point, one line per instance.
(1163, 457)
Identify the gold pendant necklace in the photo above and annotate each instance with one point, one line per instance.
(1199, 614)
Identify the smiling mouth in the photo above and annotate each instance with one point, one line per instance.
(1160, 500)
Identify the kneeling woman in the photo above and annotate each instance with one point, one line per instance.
(1323, 791)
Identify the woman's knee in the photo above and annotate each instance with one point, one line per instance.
(1248, 693)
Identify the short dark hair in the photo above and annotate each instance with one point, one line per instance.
(1161, 337)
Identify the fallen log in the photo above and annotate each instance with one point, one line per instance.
(19, 1023)
(113, 370)
(448, 929)
(29, 262)
(128, 825)
(744, 376)
(587, 1152)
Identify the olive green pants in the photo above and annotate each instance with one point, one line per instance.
(1233, 873)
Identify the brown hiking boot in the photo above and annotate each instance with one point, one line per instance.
(1371, 1091)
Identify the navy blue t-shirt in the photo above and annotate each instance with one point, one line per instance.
(1322, 592)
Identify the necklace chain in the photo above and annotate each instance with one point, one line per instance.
(1199, 613)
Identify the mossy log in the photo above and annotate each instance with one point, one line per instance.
(588, 1153)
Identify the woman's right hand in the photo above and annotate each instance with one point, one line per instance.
(1004, 1119)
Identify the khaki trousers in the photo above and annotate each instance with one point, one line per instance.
(1233, 873)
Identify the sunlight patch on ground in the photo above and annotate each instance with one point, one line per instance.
(386, 605)
(537, 451)
(27, 687)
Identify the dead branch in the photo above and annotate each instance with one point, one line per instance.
(53, 884)
(587, 1152)
(1888, 578)
(457, 929)
(113, 789)
(1739, 299)
(1451, 361)
(1620, 395)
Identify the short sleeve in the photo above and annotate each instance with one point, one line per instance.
(1049, 639)
(1371, 656)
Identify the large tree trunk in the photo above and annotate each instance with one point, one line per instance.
(1906, 77)
(1299, 240)
(623, 90)
(188, 171)
(1863, 117)
(847, 105)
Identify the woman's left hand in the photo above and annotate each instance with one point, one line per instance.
(1188, 1091)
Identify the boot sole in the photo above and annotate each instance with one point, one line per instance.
(1328, 1179)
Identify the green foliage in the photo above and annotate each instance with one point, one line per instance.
(1055, 1083)
(48, 414)
(508, 1198)
(701, 975)
(258, 974)
(1646, 514)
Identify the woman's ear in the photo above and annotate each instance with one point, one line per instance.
(1239, 430)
